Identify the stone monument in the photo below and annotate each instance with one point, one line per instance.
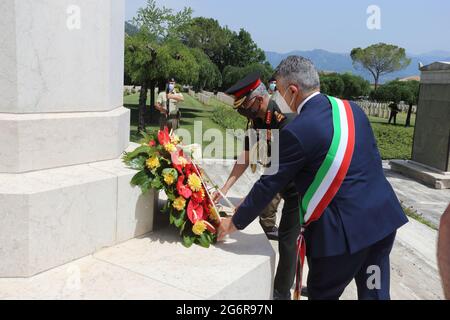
(64, 192)
(431, 148)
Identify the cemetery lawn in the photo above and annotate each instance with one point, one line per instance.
(192, 111)
(394, 142)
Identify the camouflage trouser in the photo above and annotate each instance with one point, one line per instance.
(268, 218)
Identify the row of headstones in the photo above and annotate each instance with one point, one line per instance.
(381, 110)
(206, 96)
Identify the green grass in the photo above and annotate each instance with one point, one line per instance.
(416, 216)
(191, 111)
(394, 142)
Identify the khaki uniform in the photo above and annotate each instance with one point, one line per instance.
(171, 114)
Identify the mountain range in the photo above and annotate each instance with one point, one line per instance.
(340, 62)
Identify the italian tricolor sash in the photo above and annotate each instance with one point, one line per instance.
(328, 179)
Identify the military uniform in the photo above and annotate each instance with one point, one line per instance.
(289, 228)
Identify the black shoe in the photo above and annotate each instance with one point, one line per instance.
(305, 292)
(271, 233)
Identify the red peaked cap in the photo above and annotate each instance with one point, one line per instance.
(244, 87)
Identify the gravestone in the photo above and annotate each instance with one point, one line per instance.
(64, 192)
(431, 148)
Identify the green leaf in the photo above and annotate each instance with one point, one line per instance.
(138, 163)
(156, 183)
(181, 219)
(139, 178)
(188, 241)
(183, 227)
(140, 150)
(203, 241)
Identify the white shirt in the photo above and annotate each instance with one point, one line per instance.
(306, 100)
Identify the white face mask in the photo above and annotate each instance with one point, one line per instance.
(281, 102)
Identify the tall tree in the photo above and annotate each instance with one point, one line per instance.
(380, 59)
(156, 26)
(207, 35)
(209, 76)
(243, 51)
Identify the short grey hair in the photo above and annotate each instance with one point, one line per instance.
(260, 91)
(300, 71)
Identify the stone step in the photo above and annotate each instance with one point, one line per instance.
(158, 266)
(51, 217)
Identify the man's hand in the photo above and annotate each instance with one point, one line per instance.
(226, 227)
(217, 196)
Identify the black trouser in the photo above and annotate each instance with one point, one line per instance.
(288, 233)
(328, 277)
(393, 117)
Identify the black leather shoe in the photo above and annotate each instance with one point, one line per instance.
(272, 233)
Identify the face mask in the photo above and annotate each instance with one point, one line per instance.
(281, 102)
(273, 87)
(171, 87)
(250, 112)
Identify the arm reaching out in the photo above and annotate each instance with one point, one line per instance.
(238, 170)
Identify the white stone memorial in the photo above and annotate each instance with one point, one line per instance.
(69, 216)
(64, 193)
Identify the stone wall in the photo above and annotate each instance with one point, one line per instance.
(432, 133)
(64, 192)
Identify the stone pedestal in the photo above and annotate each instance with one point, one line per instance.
(64, 192)
(431, 149)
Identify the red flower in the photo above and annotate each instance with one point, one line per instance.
(210, 227)
(163, 136)
(199, 196)
(182, 189)
(195, 212)
(179, 161)
(152, 143)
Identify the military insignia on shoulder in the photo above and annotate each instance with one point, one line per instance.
(269, 117)
(279, 116)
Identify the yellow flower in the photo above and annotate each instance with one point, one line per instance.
(215, 216)
(175, 140)
(194, 182)
(169, 178)
(179, 203)
(153, 163)
(170, 147)
(199, 228)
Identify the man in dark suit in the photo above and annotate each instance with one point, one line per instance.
(355, 233)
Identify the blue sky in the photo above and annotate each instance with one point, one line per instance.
(420, 26)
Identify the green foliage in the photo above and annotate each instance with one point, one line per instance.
(380, 59)
(232, 74)
(207, 35)
(228, 118)
(162, 23)
(394, 142)
(209, 77)
(332, 84)
(354, 86)
(243, 51)
(347, 85)
(396, 91)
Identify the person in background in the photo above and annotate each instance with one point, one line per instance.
(272, 86)
(444, 252)
(394, 111)
(167, 105)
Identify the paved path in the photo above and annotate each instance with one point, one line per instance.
(414, 272)
(428, 202)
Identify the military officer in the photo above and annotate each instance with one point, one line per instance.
(252, 101)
